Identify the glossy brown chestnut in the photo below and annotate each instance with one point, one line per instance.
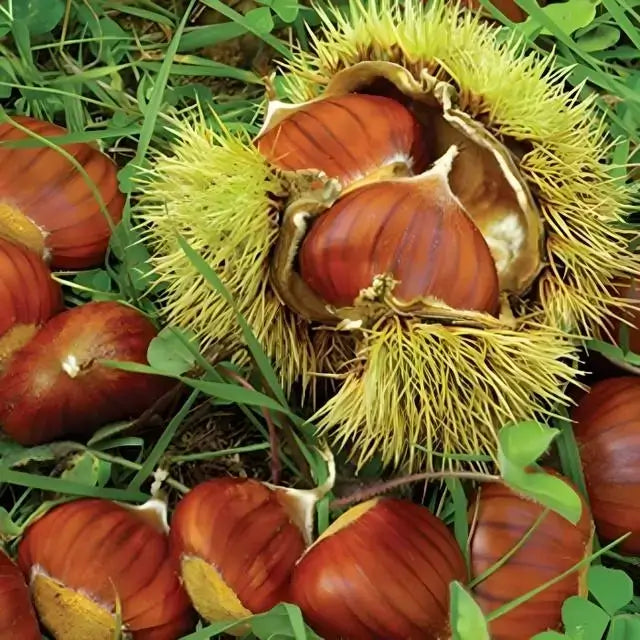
(236, 541)
(607, 429)
(380, 572)
(54, 386)
(348, 138)
(501, 519)
(83, 556)
(412, 229)
(28, 296)
(17, 617)
(48, 205)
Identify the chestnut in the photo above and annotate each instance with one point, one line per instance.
(381, 571)
(236, 541)
(325, 134)
(48, 205)
(607, 431)
(83, 557)
(29, 296)
(413, 235)
(500, 519)
(17, 617)
(54, 386)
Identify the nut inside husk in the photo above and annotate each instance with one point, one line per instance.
(483, 176)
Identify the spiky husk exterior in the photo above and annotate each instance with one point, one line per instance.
(410, 389)
(515, 95)
(217, 192)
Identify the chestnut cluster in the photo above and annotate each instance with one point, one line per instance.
(238, 547)
(57, 211)
(397, 232)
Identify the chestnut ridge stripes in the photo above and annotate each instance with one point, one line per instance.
(81, 554)
(607, 431)
(28, 296)
(48, 204)
(499, 520)
(414, 231)
(381, 132)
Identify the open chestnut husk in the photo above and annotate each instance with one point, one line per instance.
(607, 431)
(48, 205)
(381, 571)
(29, 296)
(84, 556)
(55, 386)
(440, 370)
(17, 618)
(500, 518)
(236, 541)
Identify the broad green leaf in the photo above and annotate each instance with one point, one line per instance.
(572, 15)
(525, 442)
(624, 627)
(40, 16)
(286, 10)
(612, 588)
(467, 620)
(584, 619)
(168, 353)
(88, 470)
(550, 635)
(260, 20)
(601, 38)
(546, 489)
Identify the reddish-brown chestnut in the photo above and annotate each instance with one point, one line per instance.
(325, 135)
(381, 571)
(413, 230)
(54, 386)
(17, 617)
(28, 296)
(236, 541)
(500, 520)
(607, 429)
(48, 205)
(84, 556)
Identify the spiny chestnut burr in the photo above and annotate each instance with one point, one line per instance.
(50, 206)
(28, 296)
(349, 138)
(607, 430)
(84, 556)
(413, 230)
(381, 571)
(500, 518)
(54, 386)
(236, 541)
(17, 617)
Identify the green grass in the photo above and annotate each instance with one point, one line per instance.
(117, 74)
